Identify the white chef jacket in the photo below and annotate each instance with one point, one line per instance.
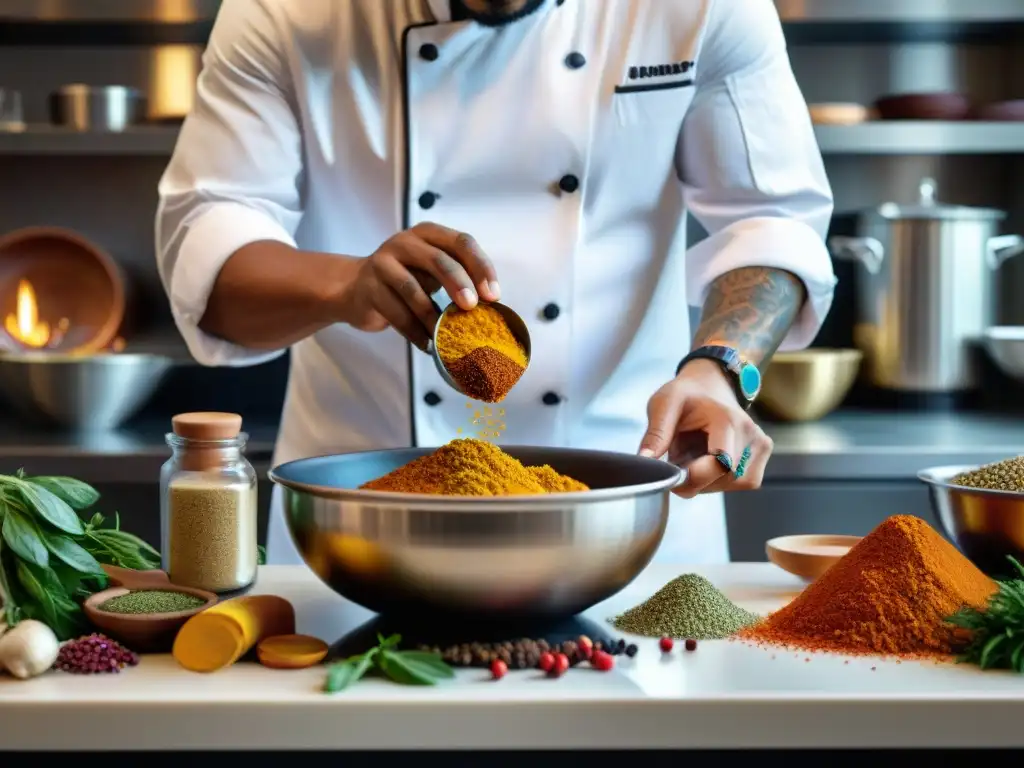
(568, 143)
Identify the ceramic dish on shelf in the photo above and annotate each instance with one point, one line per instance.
(839, 113)
(1001, 111)
(143, 632)
(809, 556)
(924, 106)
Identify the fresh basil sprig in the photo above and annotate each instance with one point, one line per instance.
(406, 667)
(49, 558)
(997, 632)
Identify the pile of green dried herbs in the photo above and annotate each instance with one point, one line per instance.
(407, 667)
(997, 632)
(50, 559)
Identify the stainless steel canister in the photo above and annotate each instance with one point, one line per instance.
(926, 291)
(97, 108)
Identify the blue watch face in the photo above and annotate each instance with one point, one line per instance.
(750, 381)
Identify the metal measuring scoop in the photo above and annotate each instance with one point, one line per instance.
(515, 323)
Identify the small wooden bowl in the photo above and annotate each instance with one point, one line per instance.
(808, 556)
(142, 632)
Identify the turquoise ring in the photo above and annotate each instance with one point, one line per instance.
(741, 466)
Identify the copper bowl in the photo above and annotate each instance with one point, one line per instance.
(924, 106)
(72, 279)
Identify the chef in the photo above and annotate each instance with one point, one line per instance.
(345, 162)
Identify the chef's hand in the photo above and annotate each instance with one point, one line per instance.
(393, 286)
(698, 421)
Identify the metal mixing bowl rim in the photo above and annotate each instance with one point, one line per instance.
(428, 500)
(54, 358)
(931, 476)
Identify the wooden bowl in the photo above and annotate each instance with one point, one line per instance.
(924, 106)
(808, 556)
(142, 632)
(72, 279)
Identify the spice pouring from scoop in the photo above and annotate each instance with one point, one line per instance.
(481, 352)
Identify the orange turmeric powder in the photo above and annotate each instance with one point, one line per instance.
(891, 594)
(468, 467)
(480, 352)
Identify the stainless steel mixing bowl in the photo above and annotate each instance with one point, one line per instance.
(986, 525)
(80, 392)
(493, 558)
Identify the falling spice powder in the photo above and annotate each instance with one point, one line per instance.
(890, 595)
(468, 467)
(151, 601)
(689, 606)
(480, 352)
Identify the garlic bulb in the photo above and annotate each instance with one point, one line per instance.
(28, 649)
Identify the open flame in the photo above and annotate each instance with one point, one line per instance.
(24, 325)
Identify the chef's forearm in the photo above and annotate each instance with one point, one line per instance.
(269, 295)
(751, 309)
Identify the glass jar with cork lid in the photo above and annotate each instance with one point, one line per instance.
(208, 504)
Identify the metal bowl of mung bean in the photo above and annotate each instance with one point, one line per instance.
(981, 508)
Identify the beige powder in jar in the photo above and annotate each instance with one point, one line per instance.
(211, 531)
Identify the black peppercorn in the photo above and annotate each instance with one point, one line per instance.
(631, 650)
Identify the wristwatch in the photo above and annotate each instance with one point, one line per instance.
(745, 377)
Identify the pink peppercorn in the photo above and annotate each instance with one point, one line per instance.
(93, 654)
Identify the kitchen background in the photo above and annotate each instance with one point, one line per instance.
(842, 473)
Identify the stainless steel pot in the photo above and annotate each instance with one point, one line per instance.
(926, 293)
(97, 108)
(495, 558)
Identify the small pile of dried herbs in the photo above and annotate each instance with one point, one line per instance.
(997, 632)
(406, 667)
(50, 560)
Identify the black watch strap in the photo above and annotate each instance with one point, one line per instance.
(745, 378)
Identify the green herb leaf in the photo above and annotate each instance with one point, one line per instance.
(73, 554)
(51, 508)
(402, 670)
(6, 593)
(261, 555)
(430, 663)
(22, 537)
(342, 674)
(76, 494)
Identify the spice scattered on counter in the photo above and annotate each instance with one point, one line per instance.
(94, 654)
(602, 661)
(561, 665)
(997, 630)
(523, 653)
(151, 601)
(28, 649)
(690, 644)
(891, 594)
(688, 606)
(1006, 475)
(406, 667)
(221, 635)
(480, 352)
(468, 467)
(291, 651)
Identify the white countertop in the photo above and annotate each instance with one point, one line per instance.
(723, 695)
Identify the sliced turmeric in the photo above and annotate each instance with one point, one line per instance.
(221, 635)
(291, 651)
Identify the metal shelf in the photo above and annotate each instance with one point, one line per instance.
(921, 137)
(911, 137)
(46, 140)
(898, 21)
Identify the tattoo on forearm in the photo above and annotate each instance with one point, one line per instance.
(751, 309)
